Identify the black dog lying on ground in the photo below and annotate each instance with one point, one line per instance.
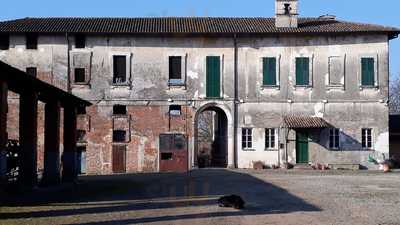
(231, 201)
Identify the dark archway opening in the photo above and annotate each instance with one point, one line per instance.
(211, 147)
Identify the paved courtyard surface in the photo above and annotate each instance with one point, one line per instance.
(272, 197)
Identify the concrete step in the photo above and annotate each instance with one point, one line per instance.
(302, 167)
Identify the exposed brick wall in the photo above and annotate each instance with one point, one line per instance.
(146, 124)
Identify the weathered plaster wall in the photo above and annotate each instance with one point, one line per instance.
(346, 106)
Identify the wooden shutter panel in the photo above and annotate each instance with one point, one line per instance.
(213, 76)
(368, 72)
(269, 71)
(302, 71)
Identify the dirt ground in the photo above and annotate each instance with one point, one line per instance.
(272, 197)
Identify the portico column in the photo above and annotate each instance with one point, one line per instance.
(3, 129)
(51, 174)
(28, 138)
(69, 158)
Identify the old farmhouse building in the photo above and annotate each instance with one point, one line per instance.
(275, 90)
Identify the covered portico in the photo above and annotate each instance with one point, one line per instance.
(31, 90)
(297, 128)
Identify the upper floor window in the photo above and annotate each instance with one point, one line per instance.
(175, 70)
(119, 69)
(80, 41)
(31, 71)
(119, 109)
(213, 77)
(31, 41)
(79, 75)
(247, 138)
(366, 138)
(4, 41)
(367, 72)
(269, 72)
(302, 71)
(270, 138)
(334, 138)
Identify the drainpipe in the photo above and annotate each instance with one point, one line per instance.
(69, 89)
(235, 103)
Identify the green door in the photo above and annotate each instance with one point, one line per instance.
(301, 147)
(213, 77)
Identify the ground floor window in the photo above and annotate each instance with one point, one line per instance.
(334, 138)
(270, 138)
(247, 138)
(366, 138)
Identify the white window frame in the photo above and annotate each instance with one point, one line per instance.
(311, 71)
(278, 71)
(183, 70)
(222, 65)
(334, 146)
(366, 136)
(376, 71)
(128, 77)
(268, 135)
(245, 138)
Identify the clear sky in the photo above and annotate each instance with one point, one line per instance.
(384, 12)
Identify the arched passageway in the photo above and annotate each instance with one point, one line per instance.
(211, 138)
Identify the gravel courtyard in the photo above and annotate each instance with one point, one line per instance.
(272, 197)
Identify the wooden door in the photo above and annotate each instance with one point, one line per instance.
(119, 159)
(302, 147)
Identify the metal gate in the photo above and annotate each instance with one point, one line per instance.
(173, 153)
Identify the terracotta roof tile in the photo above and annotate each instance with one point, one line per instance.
(187, 25)
(304, 122)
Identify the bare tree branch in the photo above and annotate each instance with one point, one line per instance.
(394, 95)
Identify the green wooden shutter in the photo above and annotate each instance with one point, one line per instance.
(302, 71)
(367, 72)
(269, 71)
(213, 76)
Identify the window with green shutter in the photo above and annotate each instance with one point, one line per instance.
(269, 72)
(302, 71)
(367, 72)
(213, 81)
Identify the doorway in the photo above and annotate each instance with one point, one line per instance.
(302, 147)
(211, 146)
(119, 159)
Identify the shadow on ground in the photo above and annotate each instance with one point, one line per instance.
(123, 193)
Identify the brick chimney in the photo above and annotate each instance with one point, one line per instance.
(286, 13)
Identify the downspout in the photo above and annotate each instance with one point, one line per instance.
(235, 103)
(69, 89)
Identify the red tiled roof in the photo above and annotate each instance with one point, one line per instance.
(187, 25)
(304, 122)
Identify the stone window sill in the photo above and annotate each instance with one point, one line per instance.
(369, 87)
(269, 87)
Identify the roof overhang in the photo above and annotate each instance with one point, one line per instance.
(304, 122)
(20, 82)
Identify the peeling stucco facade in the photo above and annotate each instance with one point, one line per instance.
(147, 95)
